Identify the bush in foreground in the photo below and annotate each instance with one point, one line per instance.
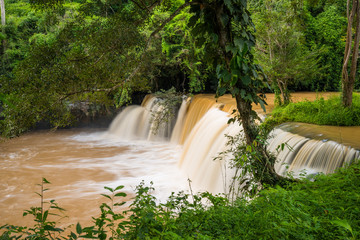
(326, 208)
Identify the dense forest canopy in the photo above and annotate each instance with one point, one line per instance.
(57, 53)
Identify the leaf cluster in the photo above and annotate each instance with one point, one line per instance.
(227, 27)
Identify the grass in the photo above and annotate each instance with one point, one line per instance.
(320, 111)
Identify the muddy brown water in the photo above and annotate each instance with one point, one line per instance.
(79, 163)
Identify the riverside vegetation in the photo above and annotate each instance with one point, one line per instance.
(325, 207)
(320, 111)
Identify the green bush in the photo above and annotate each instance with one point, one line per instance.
(320, 111)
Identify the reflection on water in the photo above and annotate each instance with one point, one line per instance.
(79, 165)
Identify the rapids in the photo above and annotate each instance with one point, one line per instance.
(80, 162)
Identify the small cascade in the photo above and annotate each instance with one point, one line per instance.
(134, 122)
(176, 134)
(199, 106)
(202, 146)
(301, 153)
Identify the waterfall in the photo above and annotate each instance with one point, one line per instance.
(301, 153)
(134, 122)
(176, 134)
(202, 146)
(200, 128)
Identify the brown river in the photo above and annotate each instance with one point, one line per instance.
(80, 162)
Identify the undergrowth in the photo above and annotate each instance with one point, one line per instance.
(326, 208)
(320, 111)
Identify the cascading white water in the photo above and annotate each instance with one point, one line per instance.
(205, 140)
(202, 146)
(135, 122)
(301, 153)
(179, 125)
(201, 127)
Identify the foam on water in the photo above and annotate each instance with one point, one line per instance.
(142, 160)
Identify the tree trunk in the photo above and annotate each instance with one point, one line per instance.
(348, 80)
(244, 107)
(263, 166)
(3, 22)
(282, 85)
(2, 6)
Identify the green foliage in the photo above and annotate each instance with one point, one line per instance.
(43, 228)
(320, 111)
(280, 46)
(325, 208)
(88, 52)
(326, 30)
(227, 26)
(70, 65)
(109, 225)
(179, 46)
(249, 165)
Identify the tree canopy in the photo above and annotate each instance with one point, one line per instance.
(57, 53)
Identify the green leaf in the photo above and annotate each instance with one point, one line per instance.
(231, 120)
(51, 228)
(234, 80)
(226, 76)
(239, 60)
(242, 93)
(107, 196)
(239, 43)
(120, 194)
(262, 104)
(119, 187)
(245, 17)
(110, 189)
(245, 67)
(119, 204)
(231, 48)
(46, 213)
(229, 5)
(246, 80)
(45, 181)
(218, 69)
(78, 228)
(249, 97)
(73, 235)
(343, 223)
(221, 91)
